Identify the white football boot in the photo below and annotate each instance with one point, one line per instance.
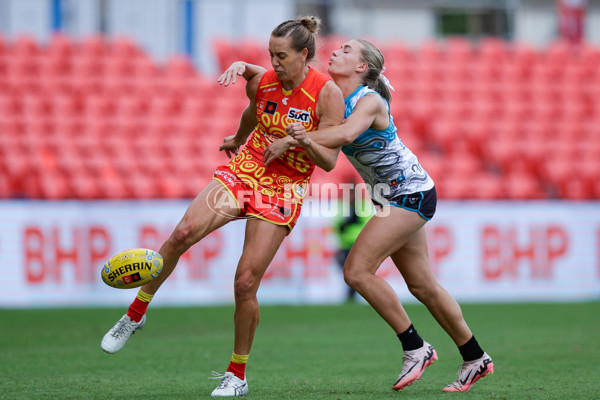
(470, 372)
(414, 363)
(230, 385)
(116, 338)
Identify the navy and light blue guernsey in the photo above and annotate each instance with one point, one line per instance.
(387, 166)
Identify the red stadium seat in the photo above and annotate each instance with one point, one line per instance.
(3, 46)
(492, 50)
(523, 186)
(430, 51)
(180, 67)
(60, 47)
(559, 53)
(35, 106)
(487, 186)
(93, 46)
(64, 106)
(54, 185)
(524, 55)
(459, 49)
(25, 46)
(122, 47)
(118, 68)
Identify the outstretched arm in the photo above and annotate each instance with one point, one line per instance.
(241, 68)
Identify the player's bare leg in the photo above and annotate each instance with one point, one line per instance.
(413, 263)
(211, 209)
(382, 236)
(260, 246)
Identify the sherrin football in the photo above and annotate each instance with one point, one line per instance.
(132, 268)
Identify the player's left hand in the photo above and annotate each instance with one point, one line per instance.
(230, 75)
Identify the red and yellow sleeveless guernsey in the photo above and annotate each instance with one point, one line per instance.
(285, 180)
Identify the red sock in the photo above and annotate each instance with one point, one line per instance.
(238, 370)
(137, 309)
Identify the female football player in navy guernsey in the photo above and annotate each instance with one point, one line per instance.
(268, 197)
(406, 199)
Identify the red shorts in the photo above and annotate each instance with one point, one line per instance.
(254, 204)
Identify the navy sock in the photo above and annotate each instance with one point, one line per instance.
(410, 339)
(471, 350)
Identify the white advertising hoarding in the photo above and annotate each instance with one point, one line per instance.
(51, 254)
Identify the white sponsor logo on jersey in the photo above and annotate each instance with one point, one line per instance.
(298, 115)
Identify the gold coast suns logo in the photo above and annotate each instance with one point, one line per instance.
(267, 106)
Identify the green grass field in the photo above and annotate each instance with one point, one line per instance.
(540, 351)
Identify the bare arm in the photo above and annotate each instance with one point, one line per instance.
(370, 111)
(245, 70)
(330, 109)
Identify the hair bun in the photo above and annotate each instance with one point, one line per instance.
(311, 23)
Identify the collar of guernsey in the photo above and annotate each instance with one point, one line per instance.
(287, 177)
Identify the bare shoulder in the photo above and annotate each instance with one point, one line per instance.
(330, 105)
(373, 100)
(374, 106)
(332, 92)
(252, 85)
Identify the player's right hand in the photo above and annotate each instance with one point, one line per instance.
(298, 132)
(230, 146)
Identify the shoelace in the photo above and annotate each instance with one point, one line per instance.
(216, 375)
(224, 378)
(122, 329)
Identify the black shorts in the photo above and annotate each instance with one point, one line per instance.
(423, 203)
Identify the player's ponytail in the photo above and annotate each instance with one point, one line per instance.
(374, 78)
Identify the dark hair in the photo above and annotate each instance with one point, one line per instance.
(301, 31)
(374, 59)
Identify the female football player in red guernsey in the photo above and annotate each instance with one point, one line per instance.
(269, 198)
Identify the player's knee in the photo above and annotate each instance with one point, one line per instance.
(181, 238)
(424, 291)
(351, 276)
(245, 286)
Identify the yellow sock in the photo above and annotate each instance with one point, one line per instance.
(236, 358)
(143, 296)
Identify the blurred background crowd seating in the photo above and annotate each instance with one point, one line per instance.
(97, 118)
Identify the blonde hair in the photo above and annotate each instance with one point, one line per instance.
(374, 59)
